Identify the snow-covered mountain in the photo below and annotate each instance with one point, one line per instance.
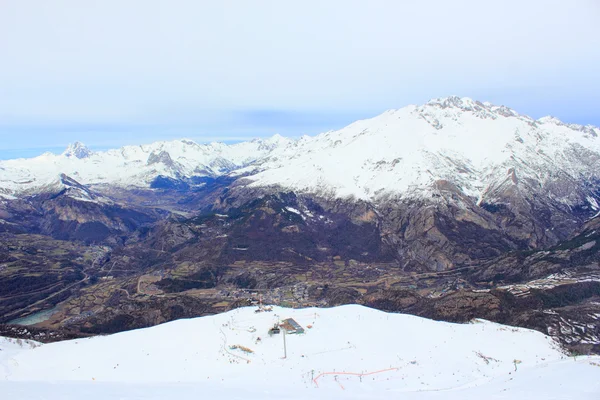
(345, 352)
(482, 149)
(132, 166)
(422, 210)
(479, 147)
(437, 179)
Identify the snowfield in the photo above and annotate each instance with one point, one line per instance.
(347, 352)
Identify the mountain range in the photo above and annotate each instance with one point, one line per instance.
(453, 209)
(479, 147)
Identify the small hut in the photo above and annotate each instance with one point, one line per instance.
(291, 326)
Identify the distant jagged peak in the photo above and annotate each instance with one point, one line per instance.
(465, 103)
(77, 150)
(590, 130)
(273, 139)
(550, 119)
(271, 143)
(277, 140)
(160, 157)
(468, 104)
(189, 142)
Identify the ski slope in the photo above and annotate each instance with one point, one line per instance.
(349, 352)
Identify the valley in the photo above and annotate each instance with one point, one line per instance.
(429, 227)
(261, 200)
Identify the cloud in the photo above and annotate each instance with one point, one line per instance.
(185, 66)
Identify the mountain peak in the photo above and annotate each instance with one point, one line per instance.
(160, 157)
(77, 150)
(277, 138)
(482, 109)
(188, 142)
(549, 119)
(272, 142)
(455, 101)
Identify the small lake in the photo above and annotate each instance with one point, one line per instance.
(34, 318)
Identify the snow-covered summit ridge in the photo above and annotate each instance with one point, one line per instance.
(135, 166)
(464, 103)
(403, 152)
(474, 145)
(481, 109)
(77, 150)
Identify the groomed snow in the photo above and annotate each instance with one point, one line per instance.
(398, 355)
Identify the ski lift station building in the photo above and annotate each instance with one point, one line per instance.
(291, 326)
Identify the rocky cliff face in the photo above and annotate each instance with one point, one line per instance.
(68, 210)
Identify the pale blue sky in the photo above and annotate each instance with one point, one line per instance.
(110, 73)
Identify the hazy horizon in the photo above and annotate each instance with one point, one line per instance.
(114, 73)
